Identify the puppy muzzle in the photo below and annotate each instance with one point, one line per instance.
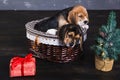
(72, 44)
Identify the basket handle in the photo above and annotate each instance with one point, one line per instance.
(36, 44)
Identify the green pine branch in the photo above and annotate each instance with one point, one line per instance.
(108, 41)
(111, 24)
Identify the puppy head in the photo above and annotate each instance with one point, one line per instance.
(78, 15)
(71, 35)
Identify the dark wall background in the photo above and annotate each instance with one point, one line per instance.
(57, 4)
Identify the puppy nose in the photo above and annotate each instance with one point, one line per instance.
(85, 22)
(71, 44)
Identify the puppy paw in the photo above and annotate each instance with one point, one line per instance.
(84, 28)
(51, 31)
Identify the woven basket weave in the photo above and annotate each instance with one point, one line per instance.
(49, 47)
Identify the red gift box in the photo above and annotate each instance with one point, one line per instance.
(23, 66)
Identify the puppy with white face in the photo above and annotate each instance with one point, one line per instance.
(71, 35)
(78, 15)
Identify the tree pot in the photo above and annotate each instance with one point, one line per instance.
(103, 64)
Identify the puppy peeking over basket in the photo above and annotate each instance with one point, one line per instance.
(69, 18)
(71, 35)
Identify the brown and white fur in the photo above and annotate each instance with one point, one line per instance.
(71, 35)
(77, 15)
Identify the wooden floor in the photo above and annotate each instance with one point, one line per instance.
(13, 42)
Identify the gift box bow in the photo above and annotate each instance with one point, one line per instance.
(19, 60)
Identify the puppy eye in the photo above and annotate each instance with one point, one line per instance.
(80, 16)
(70, 36)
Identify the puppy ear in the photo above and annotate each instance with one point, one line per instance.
(61, 32)
(72, 17)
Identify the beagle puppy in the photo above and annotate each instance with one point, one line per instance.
(71, 35)
(74, 15)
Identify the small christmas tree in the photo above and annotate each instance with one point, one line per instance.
(108, 40)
